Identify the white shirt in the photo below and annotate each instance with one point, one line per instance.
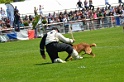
(54, 36)
(65, 20)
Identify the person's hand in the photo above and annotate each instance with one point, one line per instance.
(44, 56)
(73, 40)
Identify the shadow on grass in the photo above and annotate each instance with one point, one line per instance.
(47, 63)
(44, 63)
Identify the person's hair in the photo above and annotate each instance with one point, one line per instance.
(55, 28)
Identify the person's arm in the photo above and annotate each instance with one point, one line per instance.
(64, 39)
(42, 44)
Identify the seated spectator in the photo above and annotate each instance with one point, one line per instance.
(57, 19)
(7, 23)
(26, 18)
(30, 24)
(65, 12)
(54, 14)
(30, 18)
(0, 23)
(21, 23)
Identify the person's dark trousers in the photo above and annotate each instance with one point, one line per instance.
(55, 47)
(120, 2)
(107, 4)
(86, 7)
(17, 26)
(91, 7)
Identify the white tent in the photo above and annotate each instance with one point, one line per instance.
(27, 7)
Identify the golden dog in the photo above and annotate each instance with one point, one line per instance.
(84, 47)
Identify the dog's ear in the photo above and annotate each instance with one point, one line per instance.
(92, 45)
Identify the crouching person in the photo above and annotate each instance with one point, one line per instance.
(55, 42)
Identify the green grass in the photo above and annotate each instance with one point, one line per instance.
(20, 61)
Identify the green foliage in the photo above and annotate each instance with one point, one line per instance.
(26, 23)
(8, 1)
(44, 21)
(35, 21)
(20, 61)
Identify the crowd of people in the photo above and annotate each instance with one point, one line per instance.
(84, 10)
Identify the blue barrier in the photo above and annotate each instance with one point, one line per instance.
(12, 35)
(117, 21)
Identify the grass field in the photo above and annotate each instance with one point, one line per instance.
(20, 61)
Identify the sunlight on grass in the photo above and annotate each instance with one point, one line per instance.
(20, 61)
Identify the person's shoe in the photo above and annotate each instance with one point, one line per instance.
(78, 57)
(58, 60)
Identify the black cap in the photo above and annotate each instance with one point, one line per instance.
(55, 28)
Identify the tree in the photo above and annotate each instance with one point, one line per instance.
(8, 1)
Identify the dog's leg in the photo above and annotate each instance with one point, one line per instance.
(83, 54)
(93, 55)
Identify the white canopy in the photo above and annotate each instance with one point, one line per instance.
(27, 7)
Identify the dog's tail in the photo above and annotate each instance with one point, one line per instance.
(92, 45)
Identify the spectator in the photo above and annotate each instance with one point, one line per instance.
(61, 17)
(54, 14)
(15, 10)
(7, 23)
(35, 11)
(119, 10)
(30, 24)
(40, 10)
(17, 21)
(2, 12)
(1, 22)
(49, 18)
(26, 18)
(65, 12)
(86, 4)
(91, 5)
(79, 4)
(107, 3)
(51, 41)
(100, 18)
(94, 15)
(30, 18)
(65, 20)
(120, 2)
